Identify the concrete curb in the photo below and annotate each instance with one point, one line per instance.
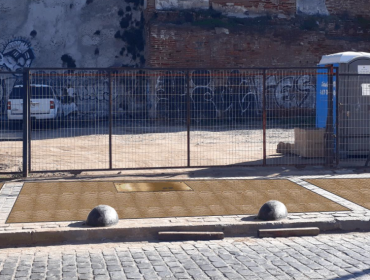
(84, 234)
(288, 232)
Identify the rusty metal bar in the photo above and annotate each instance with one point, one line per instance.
(159, 168)
(188, 116)
(166, 68)
(264, 116)
(26, 123)
(110, 121)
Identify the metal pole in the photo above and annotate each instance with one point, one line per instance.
(264, 116)
(110, 120)
(337, 135)
(188, 112)
(26, 119)
(329, 121)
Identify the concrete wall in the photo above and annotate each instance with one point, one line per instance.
(84, 30)
(69, 33)
(312, 7)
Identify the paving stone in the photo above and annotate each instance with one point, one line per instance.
(7, 271)
(22, 273)
(53, 272)
(130, 269)
(213, 273)
(102, 277)
(119, 275)
(37, 276)
(99, 272)
(131, 275)
(97, 266)
(112, 268)
(87, 276)
(69, 268)
(84, 270)
(182, 276)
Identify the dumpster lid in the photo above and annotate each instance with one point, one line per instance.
(344, 57)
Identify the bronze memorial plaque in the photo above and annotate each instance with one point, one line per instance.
(152, 187)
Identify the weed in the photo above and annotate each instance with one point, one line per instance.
(18, 175)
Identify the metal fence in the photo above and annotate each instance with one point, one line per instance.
(10, 136)
(353, 118)
(107, 119)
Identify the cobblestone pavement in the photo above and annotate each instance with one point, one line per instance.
(333, 256)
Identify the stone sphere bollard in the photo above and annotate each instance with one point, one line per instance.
(272, 210)
(102, 216)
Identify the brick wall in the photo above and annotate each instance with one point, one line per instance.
(335, 7)
(278, 42)
(270, 6)
(352, 7)
(184, 46)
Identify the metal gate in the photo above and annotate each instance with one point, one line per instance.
(110, 119)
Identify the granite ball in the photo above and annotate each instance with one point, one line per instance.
(102, 216)
(272, 210)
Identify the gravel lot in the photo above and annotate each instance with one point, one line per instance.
(141, 146)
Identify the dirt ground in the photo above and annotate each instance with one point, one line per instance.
(134, 147)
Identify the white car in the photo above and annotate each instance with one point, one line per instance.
(44, 104)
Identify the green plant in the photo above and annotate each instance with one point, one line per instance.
(18, 175)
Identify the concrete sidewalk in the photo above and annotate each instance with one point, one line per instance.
(147, 229)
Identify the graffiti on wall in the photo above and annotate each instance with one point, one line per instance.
(16, 54)
(164, 94)
(91, 90)
(233, 94)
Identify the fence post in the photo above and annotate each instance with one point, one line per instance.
(110, 120)
(188, 112)
(329, 147)
(26, 122)
(337, 115)
(264, 116)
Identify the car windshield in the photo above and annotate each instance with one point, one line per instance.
(36, 93)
